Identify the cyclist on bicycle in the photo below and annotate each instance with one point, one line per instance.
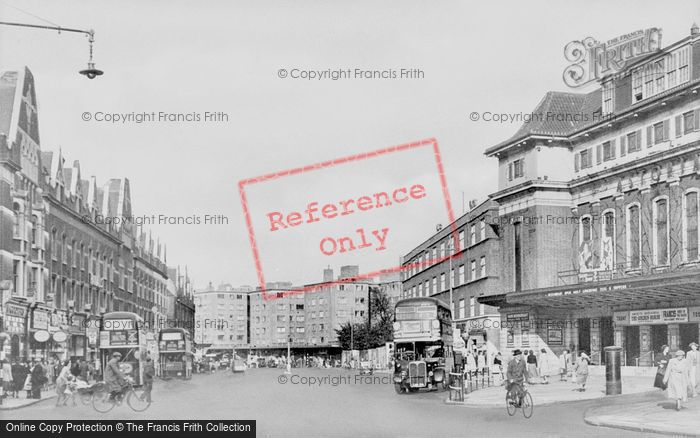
(516, 374)
(114, 378)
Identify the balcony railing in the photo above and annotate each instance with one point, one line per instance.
(620, 270)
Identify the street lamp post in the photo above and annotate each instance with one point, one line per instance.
(90, 72)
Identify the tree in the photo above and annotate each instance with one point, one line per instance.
(376, 329)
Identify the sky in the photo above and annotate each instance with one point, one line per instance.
(192, 57)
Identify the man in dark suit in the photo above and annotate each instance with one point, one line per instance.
(516, 375)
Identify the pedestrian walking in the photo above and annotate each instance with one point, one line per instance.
(19, 375)
(661, 365)
(149, 373)
(544, 366)
(676, 378)
(38, 379)
(581, 371)
(6, 374)
(62, 382)
(531, 366)
(694, 365)
(564, 364)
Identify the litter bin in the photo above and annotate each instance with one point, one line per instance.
(613, 378)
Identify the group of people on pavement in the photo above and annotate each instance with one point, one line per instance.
(678, 374)
(20, 376)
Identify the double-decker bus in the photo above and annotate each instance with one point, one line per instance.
(124, 332)
(422, 337)
(176, 353)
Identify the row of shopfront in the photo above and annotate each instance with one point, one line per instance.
(37, 332)
(640, 315)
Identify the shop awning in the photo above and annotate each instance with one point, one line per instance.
(673, 286)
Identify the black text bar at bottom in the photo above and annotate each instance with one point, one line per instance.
(182, 428)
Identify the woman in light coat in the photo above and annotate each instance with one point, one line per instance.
(581, 371)
(676, 379)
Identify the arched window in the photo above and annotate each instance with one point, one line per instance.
(586, 231)
(660, 231)
(633, 232)
(690, 226)
(607, 243)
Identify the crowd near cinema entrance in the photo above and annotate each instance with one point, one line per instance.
(640, 315)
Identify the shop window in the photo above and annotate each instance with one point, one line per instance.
(661, 231)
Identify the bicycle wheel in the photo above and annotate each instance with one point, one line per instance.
(510, 406)
(136, 399)
(528, 406)
(101, 401)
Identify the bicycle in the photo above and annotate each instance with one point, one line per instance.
(525, 402)
(135, 398)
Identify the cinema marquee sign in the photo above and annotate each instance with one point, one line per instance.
(592, 60)
(658, 316)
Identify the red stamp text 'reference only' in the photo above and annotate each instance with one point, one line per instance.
(323, 226)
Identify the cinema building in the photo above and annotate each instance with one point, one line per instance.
(599, 216)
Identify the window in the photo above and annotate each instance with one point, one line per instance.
(426, 287)
(482, 266)
(608, 95)
(461, 239)
(690, 226)
(461, 308)
(472, 306)
(472, 234)
(518, 168)
(585, 158)
(633, 236)
(608, 241)
(608, 150)
(671, 70)
(443, 285)
(461, 279)
(634, 141)
(688, 122)
(661, 231)
(657, 133)
(482, 229)
(517, 259)
(434, 285)
(473, 270)
(586, 229)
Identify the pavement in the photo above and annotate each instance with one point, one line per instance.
(10, 403)
(332, 403)
(556, 392)
(655, 414)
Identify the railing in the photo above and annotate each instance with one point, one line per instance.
(620, 270)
